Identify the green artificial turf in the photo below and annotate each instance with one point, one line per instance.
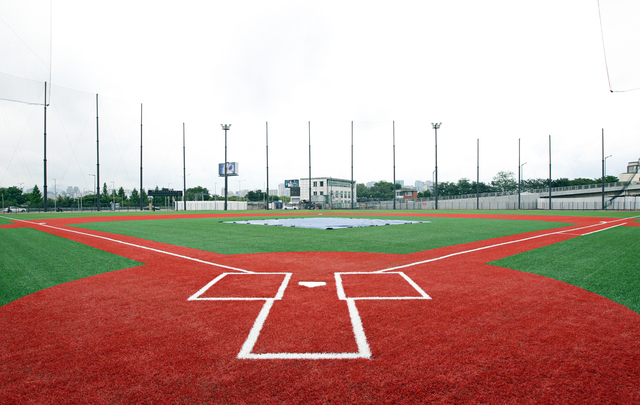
(210, 234)
(606, 263)
(31, 261)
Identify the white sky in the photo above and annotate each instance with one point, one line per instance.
(492, 70)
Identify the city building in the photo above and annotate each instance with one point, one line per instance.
(405, 194)
(329, 192)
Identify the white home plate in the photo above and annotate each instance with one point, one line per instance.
(326, 222)
(312, 284)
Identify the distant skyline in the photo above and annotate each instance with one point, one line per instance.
(497, 71)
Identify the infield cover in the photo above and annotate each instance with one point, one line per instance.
(326, 222)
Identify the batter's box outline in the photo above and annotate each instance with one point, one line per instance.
(364, 352)
(342, 294)
(198, 296)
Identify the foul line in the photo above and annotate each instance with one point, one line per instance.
(138, 246)
(506, 243)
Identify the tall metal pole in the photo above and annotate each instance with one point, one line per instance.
(352, 190)
(140, 156)
(478, 177)
(550, 207)
(184, 170)
(519, 179)
(226, 164)
(267, 136)
(603, 179)
(393, 188)
(97, 157)
(435, 127)
(309, 164)
(45, 147)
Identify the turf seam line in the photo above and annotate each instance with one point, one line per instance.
(142, 247)
(491, 246)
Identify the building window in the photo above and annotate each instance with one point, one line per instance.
(315, 184)
(322, 184)
(315, 193)
(322, 193)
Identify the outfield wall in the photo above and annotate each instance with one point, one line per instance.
(211, 205)
(624, 203)
(510, 202)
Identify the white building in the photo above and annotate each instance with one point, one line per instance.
(633, 172)
(330, 192)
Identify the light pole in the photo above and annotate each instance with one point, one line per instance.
(435, 127)
(226, 164)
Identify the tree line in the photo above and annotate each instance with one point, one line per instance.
(15, 197)
(503, 182)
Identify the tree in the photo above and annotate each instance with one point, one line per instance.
(145, 199)
(505, 182)
(36, 197)
(135, 198)
(201, 192)
(255, 195)
(122, 195)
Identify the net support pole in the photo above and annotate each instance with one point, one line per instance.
(97, 157)
(550, 206)
(45, 147)
(309, 164)
(184, 170)
(267, 142)
(603, 174)
(478, 176)
(140, 156)
(394, 165)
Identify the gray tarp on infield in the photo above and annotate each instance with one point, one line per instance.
(326, 222)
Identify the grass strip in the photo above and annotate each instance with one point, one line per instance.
(31, 261)
(605, 263)
(211, 235)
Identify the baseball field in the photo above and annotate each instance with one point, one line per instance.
(200, 307)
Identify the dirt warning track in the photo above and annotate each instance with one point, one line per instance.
(317, 327)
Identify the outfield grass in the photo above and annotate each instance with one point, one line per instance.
(210, 234)
(606, 263)
(31, 261)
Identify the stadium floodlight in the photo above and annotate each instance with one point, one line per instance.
(435, 127)
(226, 165)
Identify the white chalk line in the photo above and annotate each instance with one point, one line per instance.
(138, 246)
(507, 243)
(364, 351)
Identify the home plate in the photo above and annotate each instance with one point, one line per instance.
(312, 284)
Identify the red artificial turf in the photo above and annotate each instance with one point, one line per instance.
(488, 334)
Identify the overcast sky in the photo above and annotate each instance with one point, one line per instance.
(497, 71)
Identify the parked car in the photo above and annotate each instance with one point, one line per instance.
(289, 207)
(14, 209)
